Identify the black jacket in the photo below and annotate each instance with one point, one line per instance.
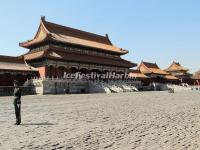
(17, 95)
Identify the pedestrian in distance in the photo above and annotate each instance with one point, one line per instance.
(17, 102)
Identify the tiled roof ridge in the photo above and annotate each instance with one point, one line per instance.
(52, 48)
(12, 59)
(150, 65)
(49, 31)
(178, 65)
(77, 30)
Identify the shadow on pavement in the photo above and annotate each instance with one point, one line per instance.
(40, 124)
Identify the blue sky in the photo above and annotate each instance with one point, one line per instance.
(152, 30)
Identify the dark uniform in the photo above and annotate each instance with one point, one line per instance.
(17, 102)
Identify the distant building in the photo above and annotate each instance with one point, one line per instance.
(155, 73)
(141, 78)
(137, 74)
(196, 75)
(14, 68)
(152, 70)
(177, 70)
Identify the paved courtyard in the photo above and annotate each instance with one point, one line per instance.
(143, 120)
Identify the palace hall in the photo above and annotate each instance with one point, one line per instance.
(56, 49)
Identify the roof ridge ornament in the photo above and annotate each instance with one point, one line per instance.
(43, 18)
(108, 38)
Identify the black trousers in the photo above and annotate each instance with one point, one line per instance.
(18, 112)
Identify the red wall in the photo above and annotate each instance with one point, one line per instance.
(42, 71)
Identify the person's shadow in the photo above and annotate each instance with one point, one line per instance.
(39, 124)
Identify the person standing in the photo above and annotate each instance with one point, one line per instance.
(17, 102)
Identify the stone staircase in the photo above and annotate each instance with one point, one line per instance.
(111, 87)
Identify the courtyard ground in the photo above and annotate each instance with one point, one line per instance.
(124, 121)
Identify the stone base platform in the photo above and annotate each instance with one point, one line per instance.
(58, 86)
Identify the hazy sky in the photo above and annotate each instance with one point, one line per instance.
(152, 30)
